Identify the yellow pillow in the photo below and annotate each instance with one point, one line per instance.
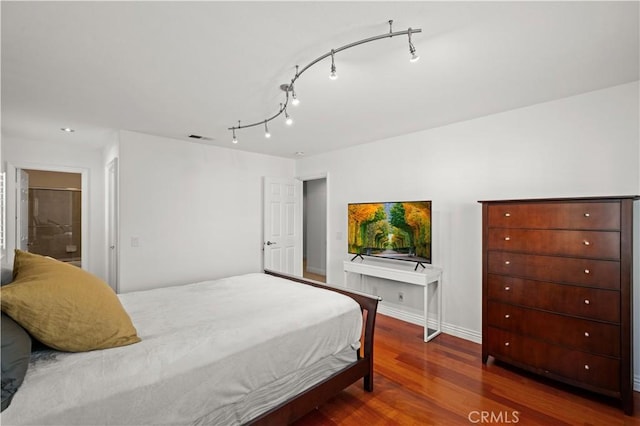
(64, 306)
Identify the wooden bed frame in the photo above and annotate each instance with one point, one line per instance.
(299, 405)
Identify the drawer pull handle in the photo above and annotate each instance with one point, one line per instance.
(586, 334)
(586, 301)
(586, 366)
(507, 262)
(507, 238)
(587, 215)
(586, 243)
(507, 214)
(507, 288)
(586, 271)
(507, 316)
(506, 343)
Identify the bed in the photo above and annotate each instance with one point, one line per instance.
(263, 348)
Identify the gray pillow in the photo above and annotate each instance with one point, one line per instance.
(7, 276)
(16, 351)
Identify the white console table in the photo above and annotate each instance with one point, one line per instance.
(430, 276)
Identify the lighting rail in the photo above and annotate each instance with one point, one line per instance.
(290, 88)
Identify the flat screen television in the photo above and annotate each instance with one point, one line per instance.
(393, 230)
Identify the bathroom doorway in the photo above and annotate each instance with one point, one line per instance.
(53, 215)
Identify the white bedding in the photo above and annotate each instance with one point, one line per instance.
(216, 352)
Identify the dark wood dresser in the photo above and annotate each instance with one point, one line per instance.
(556, 290)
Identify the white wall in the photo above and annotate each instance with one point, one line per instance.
(585, 145)
(195, 210)
(25, 153)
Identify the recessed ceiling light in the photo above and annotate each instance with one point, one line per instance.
(300, 153)
(67, 129)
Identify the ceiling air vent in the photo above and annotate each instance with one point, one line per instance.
(204, 138)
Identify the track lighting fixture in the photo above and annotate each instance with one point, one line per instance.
(289, 89)
(333, 75)
(412, 49)
(266, 130)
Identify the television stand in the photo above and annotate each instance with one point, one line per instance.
(430, 276)
(357, 256)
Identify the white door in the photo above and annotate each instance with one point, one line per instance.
(282, 223)
(112, 223)
(22, 214)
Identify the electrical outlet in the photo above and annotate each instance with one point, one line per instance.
(400, 296)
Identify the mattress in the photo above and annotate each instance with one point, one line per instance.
(214, 352)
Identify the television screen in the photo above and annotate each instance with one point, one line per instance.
(395, 230)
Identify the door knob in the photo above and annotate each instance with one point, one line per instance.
(269, 243)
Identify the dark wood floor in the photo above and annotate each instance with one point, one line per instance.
(444, 382)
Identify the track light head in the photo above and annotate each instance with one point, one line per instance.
(233, 129)
(267, 134)
(333, 75)
(294, 99)
(287, 119)
(412, 49)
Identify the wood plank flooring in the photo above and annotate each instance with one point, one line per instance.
(444, 382)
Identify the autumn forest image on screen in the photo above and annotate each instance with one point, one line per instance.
(400, 230)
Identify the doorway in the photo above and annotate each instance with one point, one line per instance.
(315, 229)
(50, 214)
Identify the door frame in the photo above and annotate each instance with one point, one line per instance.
(112, 224)
(12, 200)
(316, 176)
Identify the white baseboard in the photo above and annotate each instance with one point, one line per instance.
(400, 314)
(463, 333)
(454, 330)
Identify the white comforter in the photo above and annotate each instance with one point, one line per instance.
(216, 352)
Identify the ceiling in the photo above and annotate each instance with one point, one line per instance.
(178, 68)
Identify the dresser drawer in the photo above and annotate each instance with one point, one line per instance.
(550, 215)
(587, 272)
(575, 333)
(579, 301)
(591, 244)
(595, 371)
